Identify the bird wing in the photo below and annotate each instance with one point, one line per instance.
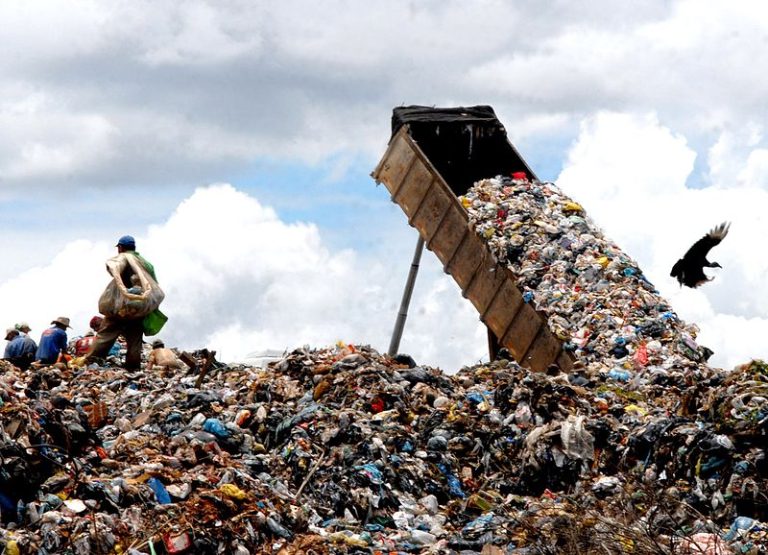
(701, 247)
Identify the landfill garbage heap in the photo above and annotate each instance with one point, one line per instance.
(642, 448)
(343, 449)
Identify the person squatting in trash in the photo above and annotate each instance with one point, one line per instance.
(10, 335)
(20, 350)
(123, 321)
(162, 357)
(53, 342)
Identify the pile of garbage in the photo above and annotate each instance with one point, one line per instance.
(643, 448)
(342, 449)
(597, 300)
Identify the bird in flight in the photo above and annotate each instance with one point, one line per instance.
(689, 270)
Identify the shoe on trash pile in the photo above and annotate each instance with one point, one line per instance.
(341, 450)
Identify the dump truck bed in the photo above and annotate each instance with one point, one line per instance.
(433, 208)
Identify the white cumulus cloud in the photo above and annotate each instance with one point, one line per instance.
(238, 279)
(630, 171)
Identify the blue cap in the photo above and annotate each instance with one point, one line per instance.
(126, 241)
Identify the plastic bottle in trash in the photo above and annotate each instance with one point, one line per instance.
(161, 494)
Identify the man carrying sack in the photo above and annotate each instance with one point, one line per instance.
(130, 303)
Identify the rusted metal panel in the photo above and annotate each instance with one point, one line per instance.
(393, 169)
(543, 351)
(502, 311)
(449, 234)
(564, 361)
(434, 210)
(413, 190)
(522, 331)
(466, 260)
(486, 284)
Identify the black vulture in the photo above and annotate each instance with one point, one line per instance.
(689, 270)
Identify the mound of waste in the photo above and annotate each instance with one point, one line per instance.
(342, 449)
(643, 448)
(595, 297)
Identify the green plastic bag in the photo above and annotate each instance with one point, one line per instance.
(154, 322)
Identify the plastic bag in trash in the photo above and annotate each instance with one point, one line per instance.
(578, 443)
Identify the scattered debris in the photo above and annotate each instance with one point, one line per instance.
(341, 449)
(643, 448)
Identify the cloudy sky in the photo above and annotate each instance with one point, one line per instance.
(235, 140)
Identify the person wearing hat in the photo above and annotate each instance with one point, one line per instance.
(10, 335)
(21, 348)
(23, 327)
(161, 357)
(53, 342)
(95, 323)
(115, 325)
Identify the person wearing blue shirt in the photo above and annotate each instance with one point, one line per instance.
(53, 341)
(10, 335)
(20, 350)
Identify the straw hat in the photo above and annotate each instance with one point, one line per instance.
(63, 321)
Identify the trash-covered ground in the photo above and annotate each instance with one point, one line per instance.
(643, 448)
(342, 449)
